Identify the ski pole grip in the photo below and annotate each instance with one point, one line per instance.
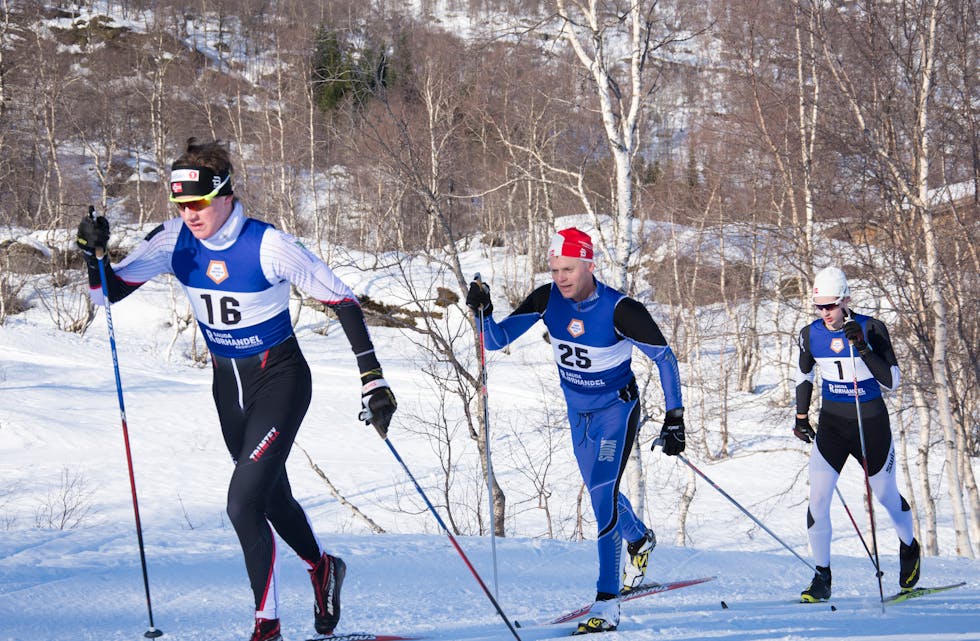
(366, 416)
(99, 251)
(479, 313)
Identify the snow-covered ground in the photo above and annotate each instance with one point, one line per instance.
(62, 458)
(61, 443)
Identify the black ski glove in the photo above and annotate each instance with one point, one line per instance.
(377, 402)
(852, 329)
(803, 431)
(93, 235)
(479, 297)
(672, 433)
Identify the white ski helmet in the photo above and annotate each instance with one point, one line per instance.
(830, 282)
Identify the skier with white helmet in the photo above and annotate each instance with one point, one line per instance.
(824, 346)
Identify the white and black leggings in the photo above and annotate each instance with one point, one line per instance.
(837, 438)
(261, 401)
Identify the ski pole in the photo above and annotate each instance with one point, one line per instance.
(856, 528)
(152, 632)
(486, 443)
(452, 540)
(864, 464)
(660, 441)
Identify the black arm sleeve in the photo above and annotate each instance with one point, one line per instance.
(633, 321)
(117, 288)
(882, 357)
(351, 319)
(535, 303)
(804, 388)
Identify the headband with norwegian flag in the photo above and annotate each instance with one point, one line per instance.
(194, 183)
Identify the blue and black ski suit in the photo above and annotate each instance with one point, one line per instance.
(593, 343)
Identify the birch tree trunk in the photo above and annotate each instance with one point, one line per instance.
(620, 76)
(906, 170)
(808, 95)
(590, 33)
(926, 45)
(927, 527)
(4, 26)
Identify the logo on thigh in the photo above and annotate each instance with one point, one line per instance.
(607, 450)
(264, 444)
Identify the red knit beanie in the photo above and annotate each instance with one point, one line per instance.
(571, 242)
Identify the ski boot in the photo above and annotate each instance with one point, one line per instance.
(819, 588)
(639, 551)
(266, 630)
(908, 558)
(327, 577)
(603, 617)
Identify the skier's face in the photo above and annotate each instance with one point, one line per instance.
(831, 310)
(573, 277)
(206, 216)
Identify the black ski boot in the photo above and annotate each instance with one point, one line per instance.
(819, 588)
(327, 577)
(266, 630)
(908, 557)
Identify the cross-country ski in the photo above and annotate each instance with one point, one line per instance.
(361, 636)
(646, 589)
(914, 593)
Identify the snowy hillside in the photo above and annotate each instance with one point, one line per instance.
(61, 446)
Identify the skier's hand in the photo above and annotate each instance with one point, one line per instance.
(377, 402)
(93, 235)
(803, 431)
(852, 329)
(672, 433)
(478, 297)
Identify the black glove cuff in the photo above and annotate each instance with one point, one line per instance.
(802, 423)
(674, 417)
(92, 267)
(371, 375)
(478, 298)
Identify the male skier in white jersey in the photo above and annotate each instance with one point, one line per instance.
(236, 272)
(593, 330)
(824, 346)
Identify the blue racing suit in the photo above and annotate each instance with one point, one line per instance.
(593, 343)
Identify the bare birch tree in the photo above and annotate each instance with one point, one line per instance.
(616, 45)
(898, 46)
(416, 134)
